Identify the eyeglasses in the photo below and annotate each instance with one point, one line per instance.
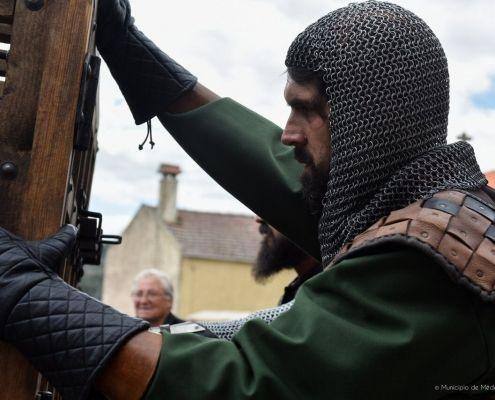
(151, 295)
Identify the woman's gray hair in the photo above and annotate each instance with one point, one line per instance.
(155, 273)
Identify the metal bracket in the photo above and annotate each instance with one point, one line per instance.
(91, 237)
(86, 103)
(44, 396)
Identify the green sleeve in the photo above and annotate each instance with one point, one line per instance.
(242, 151)
(388, 326)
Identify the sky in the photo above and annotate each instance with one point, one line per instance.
(237, 48)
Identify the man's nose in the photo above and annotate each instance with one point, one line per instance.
(292, 137)
(144, 300)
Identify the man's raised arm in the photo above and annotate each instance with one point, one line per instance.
(238, 148)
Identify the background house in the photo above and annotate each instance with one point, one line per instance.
(207, 255)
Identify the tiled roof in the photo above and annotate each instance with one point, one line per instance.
(228, 237)
(215, 236)
(491, 178)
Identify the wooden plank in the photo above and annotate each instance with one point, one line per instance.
(37, 114)
(70, 23)
(6, 10)
(17, 118)
(5, 32)
(20, 101)
(3, 67)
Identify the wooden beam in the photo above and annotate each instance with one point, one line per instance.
(20, 98)
(5, 32)
(37, 114)
(6, 10)
(70, 24)
(3, 67)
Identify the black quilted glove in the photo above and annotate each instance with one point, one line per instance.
(67, 335)
(148, 78)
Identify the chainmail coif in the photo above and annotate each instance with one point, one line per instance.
(387, 85)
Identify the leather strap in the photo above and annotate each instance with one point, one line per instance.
(457, 227)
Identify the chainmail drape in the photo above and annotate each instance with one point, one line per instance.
(227, 329)
(387, 85)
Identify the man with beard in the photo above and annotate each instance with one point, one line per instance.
(404, 308)
(277, 253)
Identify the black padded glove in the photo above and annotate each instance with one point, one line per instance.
(148, 78)
(67, 335)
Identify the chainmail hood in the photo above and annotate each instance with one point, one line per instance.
(387, 84)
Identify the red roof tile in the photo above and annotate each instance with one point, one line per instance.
(216, 236)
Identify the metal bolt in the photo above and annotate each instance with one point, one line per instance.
(34, 5)
(8, 170)
(479, 273)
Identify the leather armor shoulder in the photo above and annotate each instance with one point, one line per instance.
(456, 228)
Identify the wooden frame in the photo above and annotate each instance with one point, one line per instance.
(37, 116)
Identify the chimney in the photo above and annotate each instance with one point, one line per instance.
(168, 192)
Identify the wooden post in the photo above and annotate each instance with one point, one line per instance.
(49, 40)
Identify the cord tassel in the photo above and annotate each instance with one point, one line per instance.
(149, 134)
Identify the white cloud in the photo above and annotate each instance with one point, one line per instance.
(237, 48)
(114, 224)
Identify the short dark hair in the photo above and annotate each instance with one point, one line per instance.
(304, 76)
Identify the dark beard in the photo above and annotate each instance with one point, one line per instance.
(314, 182)
(276, 253)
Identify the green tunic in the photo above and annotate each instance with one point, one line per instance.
(390, 325)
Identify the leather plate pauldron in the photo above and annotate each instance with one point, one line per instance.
(456, 228)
